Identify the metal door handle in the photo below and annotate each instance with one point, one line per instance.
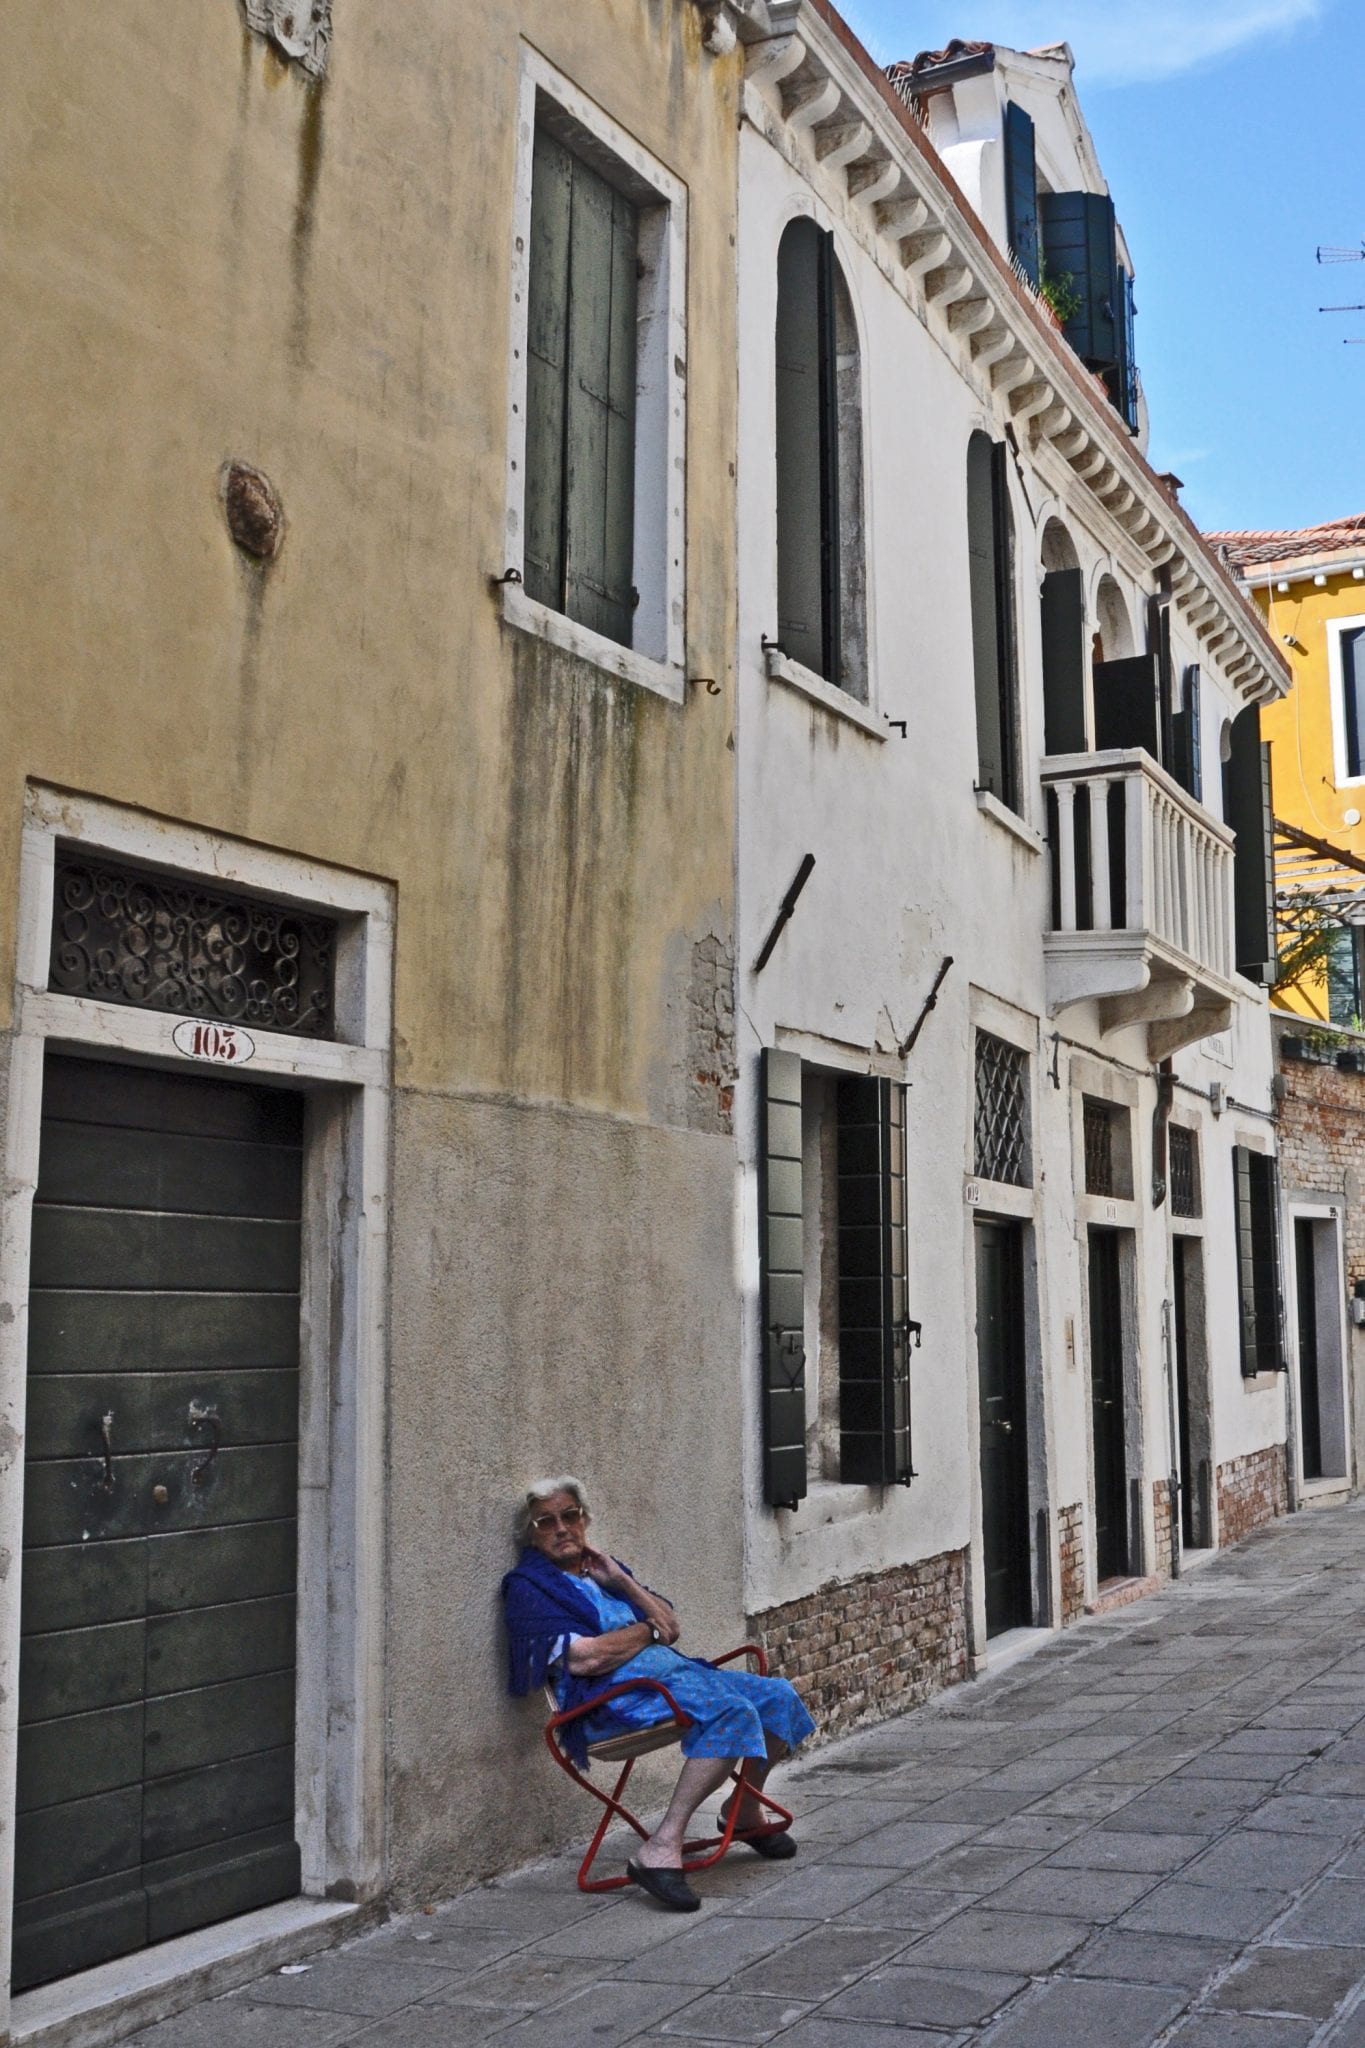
(1008, 1427)
(202, 1417)
(107, 1433)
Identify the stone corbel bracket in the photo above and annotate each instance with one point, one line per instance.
(819, 100)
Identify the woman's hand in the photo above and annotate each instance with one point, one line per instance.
(604, 1571)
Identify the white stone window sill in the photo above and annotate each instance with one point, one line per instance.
(990, 806)
(665, 678)
(782, 669)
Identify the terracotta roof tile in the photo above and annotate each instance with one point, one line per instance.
(1248, 549)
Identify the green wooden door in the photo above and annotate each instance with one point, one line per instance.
(156, 1673)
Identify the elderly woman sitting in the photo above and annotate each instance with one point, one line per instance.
(581, 1618)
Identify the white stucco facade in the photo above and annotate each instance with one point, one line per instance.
(914, 864)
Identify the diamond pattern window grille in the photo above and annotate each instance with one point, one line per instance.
(1099, 1149)
(156, 942)
(1185, 1190)
(1001, 1111)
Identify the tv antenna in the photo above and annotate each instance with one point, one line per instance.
(1327, 253)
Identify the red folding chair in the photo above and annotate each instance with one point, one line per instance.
(627, 1749)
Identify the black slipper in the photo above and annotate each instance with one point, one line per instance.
(668, 1886)
(777, 1848)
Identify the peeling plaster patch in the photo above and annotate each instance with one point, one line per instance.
(252, 507)
(11, 1443)
(300, 30)
(710, 1043)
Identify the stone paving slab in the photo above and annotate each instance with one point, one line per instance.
(1148, 1834)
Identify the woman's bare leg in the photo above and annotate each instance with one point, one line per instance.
(699, 1777)
(751, 1814)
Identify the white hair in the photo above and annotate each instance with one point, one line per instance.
(545, 1489)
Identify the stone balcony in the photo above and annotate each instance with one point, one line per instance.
(1141, 916)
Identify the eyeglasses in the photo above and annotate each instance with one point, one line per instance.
(571, 1517)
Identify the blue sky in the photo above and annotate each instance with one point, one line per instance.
(1232, 133)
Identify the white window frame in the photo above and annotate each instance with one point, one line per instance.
(1335, 686)
(656, 658)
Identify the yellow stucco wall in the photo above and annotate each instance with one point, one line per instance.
(205, 257)
(1299, 727)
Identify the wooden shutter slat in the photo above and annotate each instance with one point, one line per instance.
(1078, 238)
(782, 1282)
(1063, 620)
(1353, 697)
(800, 575)
(1249, 811)
(547, 327)
(599, 434)
(1021, 190)
(1127, 704)
(1255, 1183)
(874, 1400)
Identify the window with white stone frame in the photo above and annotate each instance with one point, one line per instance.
(1346, 674)
(596, 406)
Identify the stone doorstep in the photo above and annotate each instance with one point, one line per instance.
(101, 2005)
(1112, 1593)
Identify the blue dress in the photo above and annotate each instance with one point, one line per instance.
(732, 1711)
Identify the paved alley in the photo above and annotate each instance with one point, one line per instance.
(1151, 1831)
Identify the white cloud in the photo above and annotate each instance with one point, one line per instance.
(1116, 42)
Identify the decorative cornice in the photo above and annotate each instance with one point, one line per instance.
(810, 84)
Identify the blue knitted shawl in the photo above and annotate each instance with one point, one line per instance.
(541, 1604)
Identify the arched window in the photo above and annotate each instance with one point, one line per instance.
(990, 548)
(820, 574)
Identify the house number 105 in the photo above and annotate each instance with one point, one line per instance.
(226, 1044)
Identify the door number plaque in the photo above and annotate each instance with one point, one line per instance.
(227, 1045)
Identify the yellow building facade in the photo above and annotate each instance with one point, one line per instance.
(274, 692)
(1309, 585)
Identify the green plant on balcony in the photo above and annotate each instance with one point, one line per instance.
(1061, 294)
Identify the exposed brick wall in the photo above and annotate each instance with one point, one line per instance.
(1251, 1491)
(873, 1646)
(1071, 1541)
(1164, 1557)
(1322, 1133)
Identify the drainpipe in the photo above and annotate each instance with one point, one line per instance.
(1172, 1432)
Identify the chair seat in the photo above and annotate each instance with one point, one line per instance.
(639, 1743)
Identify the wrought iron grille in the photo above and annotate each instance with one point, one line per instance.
(125, 936)
(1001, 1111)
(1099, 1149)
(1184, 1152)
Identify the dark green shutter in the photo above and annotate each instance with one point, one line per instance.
(1249, 811)
(874, 1379)
(807, 451)
(1187, 762)
(599, 436)
(1255, 1187)
(782, 1291)
(1125, 383)
(580, 400)
(547, 357)
(1021, 190)
(1159, 636)
(990, 555)
(1127, 704)
(1063, 617)
(1078, 241)
(1353, 697)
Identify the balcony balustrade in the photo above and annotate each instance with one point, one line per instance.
(1142, 917)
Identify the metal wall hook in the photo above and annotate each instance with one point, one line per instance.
(204, 1417)
(107, 1434)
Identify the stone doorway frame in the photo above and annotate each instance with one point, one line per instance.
(346, 1082)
